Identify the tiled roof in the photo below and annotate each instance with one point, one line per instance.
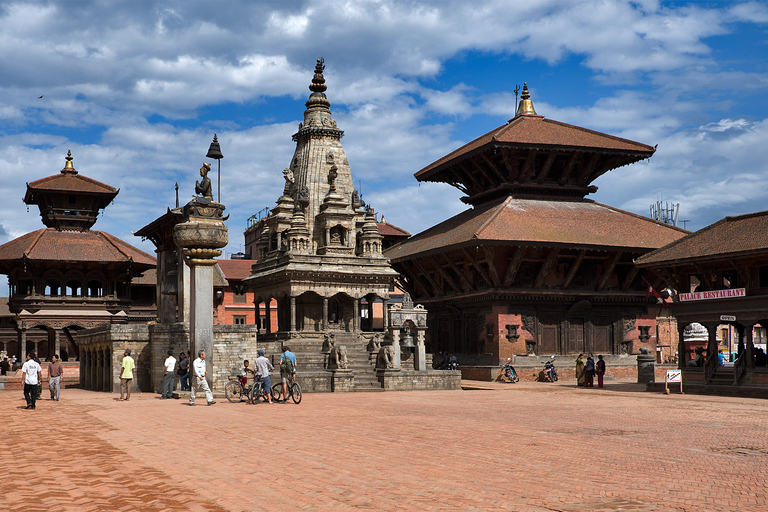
(542, 222)
(79, 246)
(387, 229)
(148, 278)
(236, 269)
(72, 182)
(728, 237)
(536, 131)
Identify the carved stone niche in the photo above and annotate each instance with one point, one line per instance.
(512, 335)
(644, 333)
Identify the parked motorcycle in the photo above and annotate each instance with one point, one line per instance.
(549, 370)
(508, 371)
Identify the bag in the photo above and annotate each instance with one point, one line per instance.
(286, 366)
(181, 371)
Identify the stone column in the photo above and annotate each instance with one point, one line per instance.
(268, 314)
(293, 313)
(37, 345)
(201, 235)
(396, 346)
(385, 312)
(355, 315)
(56, 343)
(325, 313)
(420, 356)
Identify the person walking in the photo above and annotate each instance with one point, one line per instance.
(287, 370)
(600, 370)
(199, 371)
(126, 375)
(580, 370)
(263, 366)
(170, 367)
(55, 372)
(30, 375)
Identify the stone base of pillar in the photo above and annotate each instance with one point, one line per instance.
(420, 361)
(343, 381)
(646, 368)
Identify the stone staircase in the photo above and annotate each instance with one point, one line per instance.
(359, 362)
(722, 377)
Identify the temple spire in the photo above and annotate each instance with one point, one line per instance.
(318, 88)
(525, 108)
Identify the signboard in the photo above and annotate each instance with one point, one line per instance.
(674, 375)
(714, 294)
(727, 318)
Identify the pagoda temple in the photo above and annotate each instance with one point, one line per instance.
(534, 267)
(319, 250)
(67, 276)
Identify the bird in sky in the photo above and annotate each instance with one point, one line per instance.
(41, 96)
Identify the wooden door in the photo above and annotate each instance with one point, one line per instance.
(575, 336)
(602, 334)
(548, 337)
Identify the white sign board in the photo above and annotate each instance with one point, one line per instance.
(674, 376)
(727, 318)
(714, 294)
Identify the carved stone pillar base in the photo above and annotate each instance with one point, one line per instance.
(343, 381)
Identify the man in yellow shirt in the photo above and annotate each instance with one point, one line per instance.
(126, 376)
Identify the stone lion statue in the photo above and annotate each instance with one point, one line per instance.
(329, 341)
(386, 357)
(338, 358)
(374, 344)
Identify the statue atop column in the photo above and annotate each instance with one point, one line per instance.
(203, 187)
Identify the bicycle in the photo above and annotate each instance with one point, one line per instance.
(294, 391)
(234, 390)
(259, 391)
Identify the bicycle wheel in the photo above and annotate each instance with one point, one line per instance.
(277, 391)
(233, 391)
(296, 392)
(256, 392)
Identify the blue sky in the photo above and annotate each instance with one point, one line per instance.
(137, 89)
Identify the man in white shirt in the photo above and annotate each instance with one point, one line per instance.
(30, 374)
(198, 379)
(170, 368)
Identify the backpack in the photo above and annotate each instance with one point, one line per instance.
(286, 365)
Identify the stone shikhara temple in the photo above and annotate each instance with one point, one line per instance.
(319, 254)
(534, 267)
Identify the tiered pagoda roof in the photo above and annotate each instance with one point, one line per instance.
(532, 156)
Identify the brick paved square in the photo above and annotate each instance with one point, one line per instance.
(522, 447)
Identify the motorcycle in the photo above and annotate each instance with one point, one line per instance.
(549, 370)
(508, 371)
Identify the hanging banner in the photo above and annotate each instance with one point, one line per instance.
(714, 294)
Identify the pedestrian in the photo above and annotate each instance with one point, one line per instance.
(600, 370)
(170, 367)
(183, 371)
(126, 375)
(55, 372)
(31, 374)
(263, 366)
(287, 370)
(589, 372)
(580, 370)
(199, 371)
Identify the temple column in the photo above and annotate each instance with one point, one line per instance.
(682, 355)
(56, 343)
(356, 315)
(385, 311)
(325, 313)
(293, 314)
(37, 347)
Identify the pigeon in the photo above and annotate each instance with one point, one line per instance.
(40, 97)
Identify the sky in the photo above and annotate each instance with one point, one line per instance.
(137, 89)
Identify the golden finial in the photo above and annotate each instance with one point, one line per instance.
(525, 108)
(69, 167)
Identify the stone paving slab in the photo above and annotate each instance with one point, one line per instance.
(530, 447)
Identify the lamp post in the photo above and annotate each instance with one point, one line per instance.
(214, 151)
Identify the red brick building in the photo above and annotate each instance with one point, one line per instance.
(534, 267)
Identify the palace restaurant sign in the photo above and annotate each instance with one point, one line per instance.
(714, 294)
